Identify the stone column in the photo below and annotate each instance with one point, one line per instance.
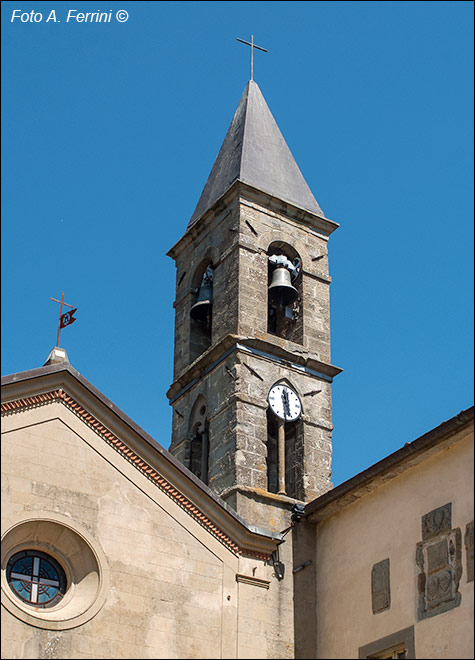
(281, 451)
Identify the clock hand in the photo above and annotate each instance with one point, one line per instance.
(285, 401)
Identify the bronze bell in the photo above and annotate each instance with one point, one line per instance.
(202, 308)
(281, 289)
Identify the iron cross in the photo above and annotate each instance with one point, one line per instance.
(61, 313)
(252, 45)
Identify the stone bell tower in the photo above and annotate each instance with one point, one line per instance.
(251, 394)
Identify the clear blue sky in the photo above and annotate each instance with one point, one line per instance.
(110, 131)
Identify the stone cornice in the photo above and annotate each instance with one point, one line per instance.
(246, 194)
(261, 200)
(289, 354)
(264, 496)
(250, 579)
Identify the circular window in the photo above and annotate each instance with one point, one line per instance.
(36, 578)
(53, 575)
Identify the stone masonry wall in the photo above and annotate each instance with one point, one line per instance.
(217, 241)
(236, 395)
(260, 227)
(237, 236)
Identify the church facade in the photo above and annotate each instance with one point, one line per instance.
(232, 544)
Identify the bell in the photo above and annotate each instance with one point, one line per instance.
(281, 289)
(202, 307)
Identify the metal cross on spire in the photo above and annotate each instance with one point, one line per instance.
(64, 319)
(252, 45)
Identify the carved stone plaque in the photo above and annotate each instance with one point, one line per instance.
(380, 586)
(439, 588)
(469, 550)
(438, 557)
(437, 521)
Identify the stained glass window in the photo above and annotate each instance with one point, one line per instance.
(36, 578)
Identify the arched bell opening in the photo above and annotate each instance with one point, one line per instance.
(201, 309)
(198, 461)
(284, 479)
(294, 459)
(272, 454)
(284, 292)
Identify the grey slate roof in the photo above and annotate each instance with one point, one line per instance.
(255, 152)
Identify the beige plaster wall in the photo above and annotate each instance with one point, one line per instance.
(171, 589)
(386, 523)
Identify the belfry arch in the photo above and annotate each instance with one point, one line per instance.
(284, 319)
(201, 309)
(198, 443)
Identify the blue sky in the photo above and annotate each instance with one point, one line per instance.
(109, 133)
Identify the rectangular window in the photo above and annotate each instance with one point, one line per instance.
(398, 645)
(399, 652)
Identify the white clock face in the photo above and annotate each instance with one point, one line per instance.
(284, 403)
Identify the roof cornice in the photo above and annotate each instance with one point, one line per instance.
(411, 454)
(242, 192)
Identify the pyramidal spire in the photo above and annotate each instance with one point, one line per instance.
(255, 152)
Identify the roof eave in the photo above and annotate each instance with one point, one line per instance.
(320, 223)
(389, 467)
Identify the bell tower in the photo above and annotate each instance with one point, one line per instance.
(251, 394)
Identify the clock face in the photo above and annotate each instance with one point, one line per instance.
(284, 403)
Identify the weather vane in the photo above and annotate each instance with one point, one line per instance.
(64, 319)
(252, 45)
